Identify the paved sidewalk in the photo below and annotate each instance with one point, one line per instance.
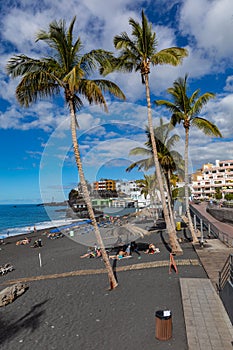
(207, 324)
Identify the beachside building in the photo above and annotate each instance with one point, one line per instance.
(131, 189)
(104, 185)
(211, 178)
(124, 203)
(101, 202)
(127, 187)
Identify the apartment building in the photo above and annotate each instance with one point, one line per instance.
(104, 185)
(131, 189)
(128, 187)
(212, 177)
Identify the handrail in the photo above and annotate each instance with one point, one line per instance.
(226, 274)
(222, 236)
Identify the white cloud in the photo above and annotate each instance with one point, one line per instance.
(210, 24)
(229, 84)
(220, 112)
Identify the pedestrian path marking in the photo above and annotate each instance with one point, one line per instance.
(146, 265)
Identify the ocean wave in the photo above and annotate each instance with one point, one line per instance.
(15, 231)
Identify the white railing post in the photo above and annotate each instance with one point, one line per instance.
(202, 239)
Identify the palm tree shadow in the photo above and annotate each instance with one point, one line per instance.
(114, 265)
(31, 320)
(167, 246)
(188, 238)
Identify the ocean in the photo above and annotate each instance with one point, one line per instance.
(21, 218)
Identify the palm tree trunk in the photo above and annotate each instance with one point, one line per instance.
(175, 246)
(112, 279)
(186, 187)
(169, 199)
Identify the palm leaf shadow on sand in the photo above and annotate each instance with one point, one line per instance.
(114, 265)
(166, 245)
(31, 320)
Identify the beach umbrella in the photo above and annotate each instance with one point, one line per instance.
(113, 235)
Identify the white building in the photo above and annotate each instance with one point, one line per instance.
(131, 189)
(212, 177)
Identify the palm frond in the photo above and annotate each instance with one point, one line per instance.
(144, 164)
(169, 105)
(110, 87)
(172, 55)
(92, 92)
(201, 102)
(77, 102)
(70, 32)
(140, 151)
(36, 85)
(73, 78)
(19, 65)
(206, 126)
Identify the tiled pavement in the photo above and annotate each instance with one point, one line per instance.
(207, 324)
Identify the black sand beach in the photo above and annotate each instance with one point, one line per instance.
(79, 312)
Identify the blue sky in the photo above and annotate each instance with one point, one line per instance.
(36, 159)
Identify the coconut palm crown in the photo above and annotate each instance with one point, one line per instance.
(140, 51)
(67, 69)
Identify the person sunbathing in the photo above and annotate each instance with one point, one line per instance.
(152, 249)
(90, 254)
(120, 255)
(23, 241)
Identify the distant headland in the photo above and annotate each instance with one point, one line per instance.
(53, 204)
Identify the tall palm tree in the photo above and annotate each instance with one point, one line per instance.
(185, 110)
(67, 70)
(138, 54)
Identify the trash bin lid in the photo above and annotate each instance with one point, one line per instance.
(163, 314)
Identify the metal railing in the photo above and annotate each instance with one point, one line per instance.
(210, 227)
(226, 274)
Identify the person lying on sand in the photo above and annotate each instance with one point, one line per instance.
(23, 241)
(152, 249)
(92, 253)
(121, 255)
(4, 269)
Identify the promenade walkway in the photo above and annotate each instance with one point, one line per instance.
(207, 323)
(208, 326)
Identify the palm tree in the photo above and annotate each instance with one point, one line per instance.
(185, 110)
(148, 186)
(139, 54)
(67, 70)
(171, 161)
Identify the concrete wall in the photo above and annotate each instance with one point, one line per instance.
(221, 214)
(227, 298)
